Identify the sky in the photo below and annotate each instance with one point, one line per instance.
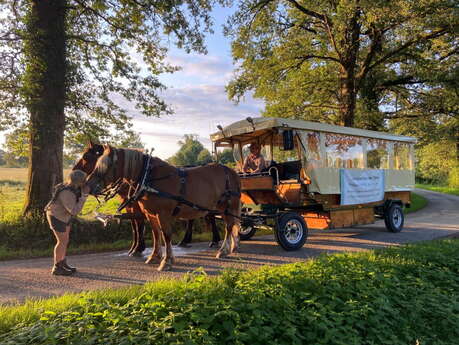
(197, 95)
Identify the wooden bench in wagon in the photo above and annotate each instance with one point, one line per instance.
(319, 176)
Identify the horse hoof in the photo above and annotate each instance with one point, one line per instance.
(164, 266)
(153, 260)
(213, 244)
(221, 255)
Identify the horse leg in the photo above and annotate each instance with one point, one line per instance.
(210, 222)
(134, 238)
(188, 235)
(135, 232)
(225, 247)
(235, 227)
(156, 254)
(140, 235)
(232, 226)
(168, 259)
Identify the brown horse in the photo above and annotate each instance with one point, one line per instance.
(87, 163)
(210, 187)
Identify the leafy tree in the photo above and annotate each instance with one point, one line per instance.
(436, 160)
(16, 148)
(71, 63)
(204, 157)
(191, 152)
(2, 157)
(226, 157)
(340, 61)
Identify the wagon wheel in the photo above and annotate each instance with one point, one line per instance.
(246, 232)
(394, 218)
(291, 231)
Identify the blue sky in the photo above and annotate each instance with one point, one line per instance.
(197, 95)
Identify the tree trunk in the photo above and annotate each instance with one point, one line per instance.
(347, 97)
(44, 91)
(350, 46)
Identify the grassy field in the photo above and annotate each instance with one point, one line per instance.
(18, 174)
(404, 295)
(440, 189)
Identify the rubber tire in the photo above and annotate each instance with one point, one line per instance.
(388, 218)
(280, 235)
(247, 236)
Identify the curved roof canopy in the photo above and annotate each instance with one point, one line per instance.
(242, 127)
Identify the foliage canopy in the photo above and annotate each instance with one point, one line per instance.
(349, 62)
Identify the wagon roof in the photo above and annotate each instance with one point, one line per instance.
(261, 123)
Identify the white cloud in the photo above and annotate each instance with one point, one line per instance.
(205, 68)
(198, 110)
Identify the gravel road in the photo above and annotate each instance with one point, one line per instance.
(22, 279)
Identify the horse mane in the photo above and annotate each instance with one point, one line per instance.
(102, 164)
(133, 161)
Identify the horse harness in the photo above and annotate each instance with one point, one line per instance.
(145, 181)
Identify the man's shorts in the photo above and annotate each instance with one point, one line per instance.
(56, 224)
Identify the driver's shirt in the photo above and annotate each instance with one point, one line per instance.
(253, 164)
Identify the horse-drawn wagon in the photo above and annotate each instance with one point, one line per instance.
(319, 176)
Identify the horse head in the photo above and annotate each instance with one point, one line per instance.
(88, 160)
(104, 170)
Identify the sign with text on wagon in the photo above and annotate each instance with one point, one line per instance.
(361, 186)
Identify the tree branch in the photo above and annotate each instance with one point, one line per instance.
(421, 38)
(307, 11)
(320, 57)
(98, 14)
(375, 46)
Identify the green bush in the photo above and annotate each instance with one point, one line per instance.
(405, 295)
(435, 161)
(453, 178)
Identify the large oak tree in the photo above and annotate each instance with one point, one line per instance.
(341, 61)
(63, 63)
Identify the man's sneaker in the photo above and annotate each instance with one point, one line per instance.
(60, 270)
(66, 266)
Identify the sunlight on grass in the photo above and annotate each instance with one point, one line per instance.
(417, 202)
(440, 189)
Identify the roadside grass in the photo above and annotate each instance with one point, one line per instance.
(399, 295)
(417, 202)
(440, 189)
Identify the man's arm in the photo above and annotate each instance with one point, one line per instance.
(260, 164)
(245, 166)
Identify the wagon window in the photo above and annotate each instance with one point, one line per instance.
(280, 155)
(402, 159)
(236, 152)
(377, 154)
(313, 146)
(343, 151)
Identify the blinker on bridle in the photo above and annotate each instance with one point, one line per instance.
(110, 190)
